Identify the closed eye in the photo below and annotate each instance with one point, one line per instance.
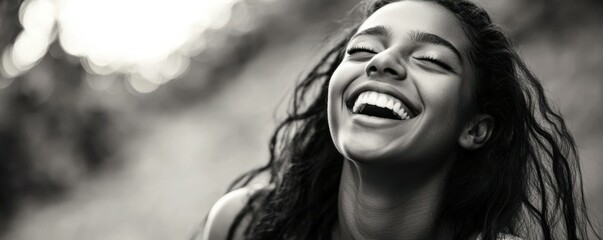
(359, 49)
(435, 61)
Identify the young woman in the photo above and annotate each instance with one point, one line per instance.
(426, 125)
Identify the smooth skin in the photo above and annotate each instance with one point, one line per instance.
(394, 173)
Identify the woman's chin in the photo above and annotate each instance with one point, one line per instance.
(370, 153)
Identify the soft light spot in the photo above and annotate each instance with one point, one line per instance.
(28, 49)
(38, 16)
(141, 85)
(99, 82)
(9, 70)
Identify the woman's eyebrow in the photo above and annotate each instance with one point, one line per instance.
(377, 31)
(424, 37)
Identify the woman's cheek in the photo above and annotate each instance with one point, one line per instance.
(347, 71)
(438, 90)
(341, 79)
(442, 97)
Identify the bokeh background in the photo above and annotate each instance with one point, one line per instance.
(127, 119)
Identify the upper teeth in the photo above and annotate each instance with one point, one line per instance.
(381, 100)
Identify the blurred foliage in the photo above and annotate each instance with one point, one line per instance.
(55, 133)
(48, 140)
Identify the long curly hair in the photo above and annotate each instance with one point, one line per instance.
(526, 180)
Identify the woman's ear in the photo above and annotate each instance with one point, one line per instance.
(476, 131)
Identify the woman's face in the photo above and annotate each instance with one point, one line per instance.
(401, 90)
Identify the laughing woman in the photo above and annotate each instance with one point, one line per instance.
(426, 125)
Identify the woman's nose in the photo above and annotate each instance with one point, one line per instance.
(385, 65)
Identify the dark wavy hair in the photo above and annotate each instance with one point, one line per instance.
(526, 179)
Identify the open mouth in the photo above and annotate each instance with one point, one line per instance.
(380, 105)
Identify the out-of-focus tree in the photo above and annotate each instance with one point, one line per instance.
(48, 139)
(55, 132)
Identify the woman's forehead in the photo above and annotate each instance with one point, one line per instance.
(407, 17)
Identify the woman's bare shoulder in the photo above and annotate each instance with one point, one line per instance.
(223, 213)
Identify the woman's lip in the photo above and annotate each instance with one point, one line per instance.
(382, 88)
(374, 122)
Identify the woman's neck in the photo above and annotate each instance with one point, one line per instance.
(377, 202)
